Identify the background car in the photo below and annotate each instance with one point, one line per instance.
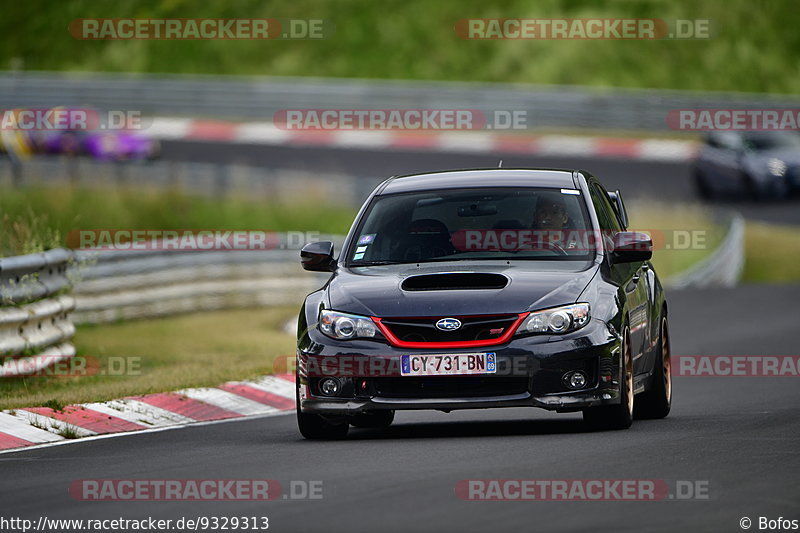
(748, 164)
(100, 145)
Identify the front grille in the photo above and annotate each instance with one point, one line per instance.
(447, 386)
(473, 328)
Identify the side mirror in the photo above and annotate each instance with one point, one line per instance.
(631, 247)
(318, 257)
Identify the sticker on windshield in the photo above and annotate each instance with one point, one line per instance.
(366, 239)
(361, 249)
(358, 256)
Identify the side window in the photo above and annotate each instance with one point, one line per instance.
(713, 141)
(606, 216)
(605, 212)
(728, 141)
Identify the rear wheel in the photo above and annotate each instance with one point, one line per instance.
(618, 416)
(373, 419)
(316, 427)
(656, 402)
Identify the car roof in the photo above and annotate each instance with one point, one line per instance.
(492, 177)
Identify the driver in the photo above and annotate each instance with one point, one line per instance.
(551, 223)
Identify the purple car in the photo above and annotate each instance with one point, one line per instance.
(100, 144)
(119, 145)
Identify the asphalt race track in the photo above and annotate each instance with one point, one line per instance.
(637, 179)
(739, 435)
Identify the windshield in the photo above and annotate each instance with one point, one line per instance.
(470, 224)
(772, 141)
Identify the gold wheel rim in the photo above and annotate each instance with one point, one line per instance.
(666, 359)
(628, 370)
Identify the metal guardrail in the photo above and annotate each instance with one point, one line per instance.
(35, 325)
(723, 268)
(31, 277)
(259, 98)
(136, 284)
(206, 179)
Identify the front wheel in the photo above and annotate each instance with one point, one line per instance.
(657, 402)
(316, 427)
(749, 188)
(702, 187)
(616, 416)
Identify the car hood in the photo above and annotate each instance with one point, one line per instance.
(376, 291)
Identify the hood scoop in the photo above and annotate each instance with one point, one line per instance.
(454, 281)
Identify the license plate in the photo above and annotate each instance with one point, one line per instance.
(448, 364)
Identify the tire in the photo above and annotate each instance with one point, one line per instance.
(657, 402)
(373, 419)
(316, 427)
(702, 188)
(748, 187)
(620, 416)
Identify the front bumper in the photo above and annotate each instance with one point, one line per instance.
(529, 374)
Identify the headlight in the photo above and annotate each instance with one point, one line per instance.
(776, 167)
(344, 326)
(556, 320)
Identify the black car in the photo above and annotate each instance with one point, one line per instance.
(753, 165)
(484, 288)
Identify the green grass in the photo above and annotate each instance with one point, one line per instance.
(69, 431)
(37, 218)
(54, 404)
(755, 46)
(140, 357)
(772, 253)
(682, 235)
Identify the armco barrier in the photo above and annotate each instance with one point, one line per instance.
(215, 180)
(26, 278)
(35, 325)
(136, 284)
(259, 98)
(723, 267)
